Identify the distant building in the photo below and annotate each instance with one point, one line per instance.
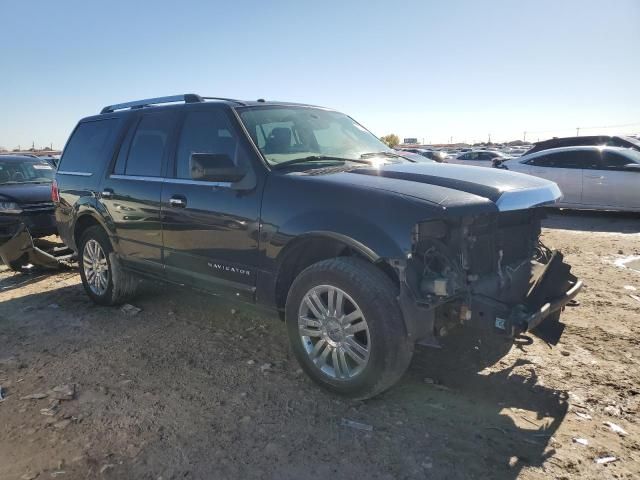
(410, 141)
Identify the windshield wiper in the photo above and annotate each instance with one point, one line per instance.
(317, 158)
(384, 154)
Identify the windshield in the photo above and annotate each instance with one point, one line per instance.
(12, 171)
(288, 133)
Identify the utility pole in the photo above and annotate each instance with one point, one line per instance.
(524, 137)
(577, 131)
(489, 139)
(451, 140)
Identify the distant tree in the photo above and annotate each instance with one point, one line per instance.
(391, 140)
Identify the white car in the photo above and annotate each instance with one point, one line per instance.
(479, 158)
(590, 177)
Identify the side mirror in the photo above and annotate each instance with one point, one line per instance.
(215, 167)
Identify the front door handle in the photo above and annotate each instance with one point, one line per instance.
(599, 177)
(178, 201)
(107, 193)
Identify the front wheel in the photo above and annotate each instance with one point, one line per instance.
(346, 328)
(103, 278)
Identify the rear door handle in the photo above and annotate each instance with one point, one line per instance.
(599, 177)
(107, 193)
(178, 201)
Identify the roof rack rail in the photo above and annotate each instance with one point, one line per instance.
(225, 99)
(187, 98)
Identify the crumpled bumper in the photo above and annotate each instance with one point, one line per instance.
(553, 288)
(19, 249)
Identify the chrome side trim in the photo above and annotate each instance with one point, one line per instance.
(186, 181)
(529, 198)
(137, 177)
(75, 174)
(180, 181)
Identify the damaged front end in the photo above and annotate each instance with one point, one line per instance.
(489, 272)
(20, 250)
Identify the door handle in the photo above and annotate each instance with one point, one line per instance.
(178, 201)
(107, 193)
(599, 177)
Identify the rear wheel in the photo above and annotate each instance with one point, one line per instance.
(103, 277)
(346, 328)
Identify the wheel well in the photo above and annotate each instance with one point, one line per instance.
(82, 224)
(306, 252)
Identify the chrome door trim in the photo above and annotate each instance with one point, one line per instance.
(75, 174)
(137, 177)
(180, 181)
(186, 181)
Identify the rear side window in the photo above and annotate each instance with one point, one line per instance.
(149, 145)
(614, 161)
(587, 160)
(86, 150)
(206, 132)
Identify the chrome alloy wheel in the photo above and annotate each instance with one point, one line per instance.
(96, 268)
(334, 332)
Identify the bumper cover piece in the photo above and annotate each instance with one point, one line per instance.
(20, 249)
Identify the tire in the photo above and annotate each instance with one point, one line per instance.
(362, 287)
(119, 285)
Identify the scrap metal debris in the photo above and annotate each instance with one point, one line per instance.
(130, 310)
(581, 441)
(356, 425)
(63, 392)
(35, 396)
(22, 250)
(604, 460)
(616, 428)
(52, 409)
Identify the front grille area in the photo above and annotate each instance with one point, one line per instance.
(514, 233)
(39, 207)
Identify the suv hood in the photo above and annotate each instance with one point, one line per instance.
(452, 185)
(26, 192)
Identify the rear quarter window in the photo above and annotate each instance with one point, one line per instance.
(89, 147)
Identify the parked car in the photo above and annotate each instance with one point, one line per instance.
(599, 178)
(434, 155)
(25, 203)
(302, 210)
(479, 158)
(601, 140)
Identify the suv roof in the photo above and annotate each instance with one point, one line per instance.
(594, 140)
(187, 98)
(575, 148)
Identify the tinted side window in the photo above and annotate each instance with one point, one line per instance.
(149, 145)
(614, 161)
(206, 132)
(86, 150)
(574, 159)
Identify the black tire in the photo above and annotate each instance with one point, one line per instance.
(376, 296)
(121, 285)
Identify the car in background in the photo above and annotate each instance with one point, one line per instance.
(435, 155)
(590, 177)
(25, 201)
(480, 158)
(414, 157)
(601, 140)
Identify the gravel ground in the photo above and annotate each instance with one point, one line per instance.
(192, 387)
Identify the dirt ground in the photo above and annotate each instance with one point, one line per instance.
(193, 388)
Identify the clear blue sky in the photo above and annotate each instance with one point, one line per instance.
(431, 69)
